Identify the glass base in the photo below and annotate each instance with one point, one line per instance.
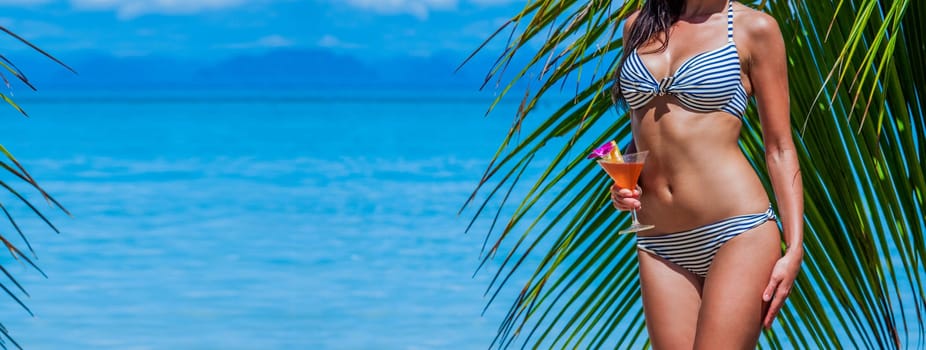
(636, 228)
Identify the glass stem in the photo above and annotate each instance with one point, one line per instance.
(633, 212)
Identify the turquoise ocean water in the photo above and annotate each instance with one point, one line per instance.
(235, 220)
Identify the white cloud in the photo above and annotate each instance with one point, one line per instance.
(23, 2)
(274, 41)
(134, 8)
(494, 2)
(31, 29)
(264, 42)
(332, 41)
(417, 8)
(483, 28)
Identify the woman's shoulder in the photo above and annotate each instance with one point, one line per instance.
(757, 34)
(757, 26)
(629, 20)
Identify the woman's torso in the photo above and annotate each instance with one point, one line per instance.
(695, 172)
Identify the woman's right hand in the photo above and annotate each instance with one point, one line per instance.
(624, 199)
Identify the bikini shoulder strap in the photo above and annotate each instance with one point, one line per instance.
(730, 22)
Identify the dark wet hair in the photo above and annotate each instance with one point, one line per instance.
(655, 17)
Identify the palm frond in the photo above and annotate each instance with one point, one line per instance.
(858, 119)
(13, 167)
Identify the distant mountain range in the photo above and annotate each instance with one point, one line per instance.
(284, 68)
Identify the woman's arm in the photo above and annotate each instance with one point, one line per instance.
(628, 24)
(768, 75)
(625, 199)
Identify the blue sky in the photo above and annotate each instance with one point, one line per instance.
(212, 29)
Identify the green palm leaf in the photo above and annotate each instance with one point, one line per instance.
(857, 78)
(13, 167)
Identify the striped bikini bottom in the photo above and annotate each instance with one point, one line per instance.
(694, 249)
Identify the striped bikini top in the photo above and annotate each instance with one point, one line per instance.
(706, 82)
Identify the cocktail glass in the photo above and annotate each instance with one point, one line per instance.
(625, 175)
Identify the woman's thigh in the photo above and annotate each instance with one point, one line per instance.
(731, 304)
(671, 298)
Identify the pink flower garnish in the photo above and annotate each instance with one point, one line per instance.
(602, 150)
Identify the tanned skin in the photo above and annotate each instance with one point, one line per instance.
(696, 174)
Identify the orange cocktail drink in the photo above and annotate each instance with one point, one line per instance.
(625, 175)
(625, 170)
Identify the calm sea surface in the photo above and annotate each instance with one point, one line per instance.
(207, 220)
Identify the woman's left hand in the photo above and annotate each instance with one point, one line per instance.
(779, 286)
